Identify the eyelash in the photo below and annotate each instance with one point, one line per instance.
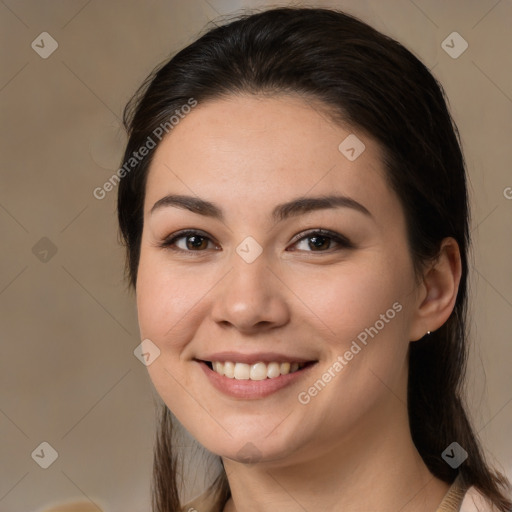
(341, 240)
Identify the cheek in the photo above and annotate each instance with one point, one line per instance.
(168, 301)
(362, 311)
(346, 301)
(368, 310)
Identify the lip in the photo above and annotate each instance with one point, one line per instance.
(252, 389)
(260, 357)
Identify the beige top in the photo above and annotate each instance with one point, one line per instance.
(457, 499)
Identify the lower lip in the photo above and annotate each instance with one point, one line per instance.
(252, 389)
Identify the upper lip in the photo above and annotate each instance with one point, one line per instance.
(265, 357)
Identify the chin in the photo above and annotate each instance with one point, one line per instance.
(254, 449)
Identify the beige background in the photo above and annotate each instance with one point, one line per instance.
(68, 375)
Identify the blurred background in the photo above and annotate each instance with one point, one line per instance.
(77, 408)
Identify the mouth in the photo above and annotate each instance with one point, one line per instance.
(253, 381)
(258, 371)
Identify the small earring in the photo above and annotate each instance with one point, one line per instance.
(428, 333)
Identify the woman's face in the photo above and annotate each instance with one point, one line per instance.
(257, 282)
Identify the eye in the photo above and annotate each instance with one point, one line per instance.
(188, 241)
(322, 240)
(319, 240)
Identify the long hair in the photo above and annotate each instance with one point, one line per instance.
(370, 81)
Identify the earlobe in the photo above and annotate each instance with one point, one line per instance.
(440, 287)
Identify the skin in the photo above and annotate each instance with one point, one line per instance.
(248, 154)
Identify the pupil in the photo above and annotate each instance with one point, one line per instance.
(195, 241)
(319, 241)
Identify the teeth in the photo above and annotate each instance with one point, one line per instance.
(258, 371)
(228, 368)
(274, 370)
(242, 371)
(218, 367)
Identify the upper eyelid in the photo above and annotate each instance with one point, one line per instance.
(322, 232)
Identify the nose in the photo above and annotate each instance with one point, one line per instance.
(251, 298)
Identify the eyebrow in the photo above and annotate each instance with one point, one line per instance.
(281, 212)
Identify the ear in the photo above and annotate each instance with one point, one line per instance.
(437, 291)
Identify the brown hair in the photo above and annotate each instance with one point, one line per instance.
(370, 81)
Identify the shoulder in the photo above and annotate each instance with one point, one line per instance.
(475, 501)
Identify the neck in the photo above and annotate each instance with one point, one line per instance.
(375, 467)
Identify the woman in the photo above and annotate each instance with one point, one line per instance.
(294, 207)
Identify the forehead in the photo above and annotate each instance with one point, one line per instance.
(255, 151)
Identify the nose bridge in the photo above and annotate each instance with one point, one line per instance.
(250, 284)
(252, 276)
(250, 295)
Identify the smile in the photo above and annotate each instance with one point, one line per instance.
(253, 381)
(258, 371)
